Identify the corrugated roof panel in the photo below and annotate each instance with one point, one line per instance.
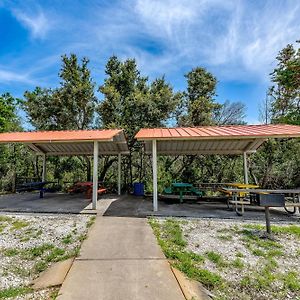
(62, 135)
(231, 131)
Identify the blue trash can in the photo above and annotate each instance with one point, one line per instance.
(138, 189)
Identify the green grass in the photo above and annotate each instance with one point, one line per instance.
(14, 292)
(291, 281)
(40, 266)
(224, 237)
(288, 229)
(34, 252)
(55, 255)
(67, 239)
(238, 263)
(18, 224)
(11, 252)
(170, 238)
(216, 258)
(5, 219)
(90, 222)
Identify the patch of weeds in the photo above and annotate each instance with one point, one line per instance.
(90, 222)
(170, 238)
(291, 281)
(290, 229)
(224, 237)
(67, 239)
(19, 224)
(40, 266)
(32, 253)
(238, 263)
(11, 252)
(207, 278)
(216, 258)
(82, 237)
(54, 294)
(239, 254)
(274, 253)
(19, 271)
(5, 219)
(14, 292)
(56, 254)
(257, 252)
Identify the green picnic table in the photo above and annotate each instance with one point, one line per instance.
(181, 188)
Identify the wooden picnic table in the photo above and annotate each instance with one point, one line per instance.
(236, 191)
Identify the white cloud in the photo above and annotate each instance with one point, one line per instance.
(38, 23)
(235, 39)
(9, 76)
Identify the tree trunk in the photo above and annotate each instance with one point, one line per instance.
(107, 165)
(88, 168)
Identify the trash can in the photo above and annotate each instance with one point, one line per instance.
(138, 189)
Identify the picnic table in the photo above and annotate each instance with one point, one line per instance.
(181, 188)
(235, 192)
(32, 186)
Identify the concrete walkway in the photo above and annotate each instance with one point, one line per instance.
(120, 260)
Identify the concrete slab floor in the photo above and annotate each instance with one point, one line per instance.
(130, 206)
(29, 202)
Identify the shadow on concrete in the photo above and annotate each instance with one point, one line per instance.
(140, 207)
(51, 203)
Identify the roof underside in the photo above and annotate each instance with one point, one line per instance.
(71, 142)
(214, 139)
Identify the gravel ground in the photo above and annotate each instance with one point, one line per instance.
(228, 239)
(30, 243)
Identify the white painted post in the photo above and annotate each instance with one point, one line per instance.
(95, 175)
(119, 174)
(245, 168)
(154, 168)
(44, 174)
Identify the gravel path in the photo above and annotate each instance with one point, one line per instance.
(30, 243)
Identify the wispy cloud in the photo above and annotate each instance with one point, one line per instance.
(13, 77)
(37, 22)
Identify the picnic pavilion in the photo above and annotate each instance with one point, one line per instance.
(74, 142)
(233, 139)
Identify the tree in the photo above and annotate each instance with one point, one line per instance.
(199, 98)
(132, 102)
(286, 88)
(230, 113)
(265, 114)
(8, 113)
(70, 106)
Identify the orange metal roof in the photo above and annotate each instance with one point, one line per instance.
(219, 132)
(59, 136)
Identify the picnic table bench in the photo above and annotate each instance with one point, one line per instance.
(33, 186)
(236, 200)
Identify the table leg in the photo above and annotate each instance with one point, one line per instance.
(181, 196)
(268, 224)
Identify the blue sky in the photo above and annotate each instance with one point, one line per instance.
(236, 40)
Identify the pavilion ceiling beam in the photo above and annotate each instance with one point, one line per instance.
(254, 144)
(36, 149)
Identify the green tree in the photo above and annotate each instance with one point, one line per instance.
(286, 88)
(132, 102)
(200, 104)
(70, 106)
(8, 113)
